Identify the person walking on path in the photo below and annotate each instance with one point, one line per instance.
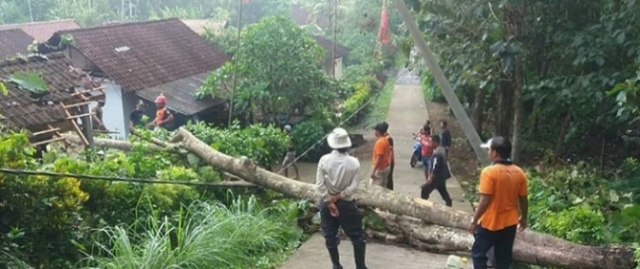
(438, 173)
(381, 156)
(503, 206)
(445, 136)
(336, 182)
(290, 155)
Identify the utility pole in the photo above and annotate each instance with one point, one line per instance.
(461, 115)
(335, 39)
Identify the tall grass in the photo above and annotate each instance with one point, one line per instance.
(242, 235)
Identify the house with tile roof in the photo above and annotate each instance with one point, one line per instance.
(332, 60)
(13, 42)
(42, 30)
(142, 60)
(60, 106)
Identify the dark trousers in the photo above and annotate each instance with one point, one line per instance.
(390, 180)
(441, 186)
(502, 243)
(349, 220)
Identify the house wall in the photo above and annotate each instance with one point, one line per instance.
(78, 59)
(113, 112)
(328, 66)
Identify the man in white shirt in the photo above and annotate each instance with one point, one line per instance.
(336, 182)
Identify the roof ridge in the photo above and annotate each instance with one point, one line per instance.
(116, 25)
(38, 22)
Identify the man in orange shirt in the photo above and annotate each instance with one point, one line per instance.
(503, 206)
(381, 156)
(164, 117)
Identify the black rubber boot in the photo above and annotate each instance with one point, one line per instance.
(359, 251)
(335, 258)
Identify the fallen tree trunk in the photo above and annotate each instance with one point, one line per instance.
(114, 144)
(531, 247)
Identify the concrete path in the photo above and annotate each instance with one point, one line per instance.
(407, 113)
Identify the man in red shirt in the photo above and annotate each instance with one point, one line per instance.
(426, 149)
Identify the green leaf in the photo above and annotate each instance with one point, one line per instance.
(29, 82)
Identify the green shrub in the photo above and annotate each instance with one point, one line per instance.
(580, 224)
(362, 93)
(263, 145)
(305, 135)
(40, 215)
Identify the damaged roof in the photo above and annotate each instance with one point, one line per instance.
(20, 109)
(146, 54)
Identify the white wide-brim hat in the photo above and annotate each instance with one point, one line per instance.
(339, 139)
(486, 145)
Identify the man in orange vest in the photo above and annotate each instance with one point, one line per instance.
(163, 115)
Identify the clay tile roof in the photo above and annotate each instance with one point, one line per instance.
(19, 109)
(146, 54)
(42, 30)
(13, 41)
(327, 45)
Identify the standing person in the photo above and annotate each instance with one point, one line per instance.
(503, 206)
(381, 156)
(290, 155)
(135, 118)
(164, 117)
(392, 158)
(426, 149)
(336, 182)
(445, 135)
(438, 173)
(96, 116)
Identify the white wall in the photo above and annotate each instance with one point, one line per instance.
(338, 63)
(113, 114)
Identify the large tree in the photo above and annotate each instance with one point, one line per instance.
(278, 71)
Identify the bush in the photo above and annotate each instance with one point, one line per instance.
(305, 135)
(577, 205)
(362, 93)
(36, 208)
(580, 224)
(263, 145)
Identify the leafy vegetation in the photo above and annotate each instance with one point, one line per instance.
(29, 82)
(67, 210)
(240, 235)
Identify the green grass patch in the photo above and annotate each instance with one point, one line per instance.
(380, 106)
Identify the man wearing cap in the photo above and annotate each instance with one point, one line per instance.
(163, 115)
(381, 156)
(135, 118)
(503, 206)
(336, 182)
(290, 155)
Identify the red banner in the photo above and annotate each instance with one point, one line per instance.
(383, 32)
